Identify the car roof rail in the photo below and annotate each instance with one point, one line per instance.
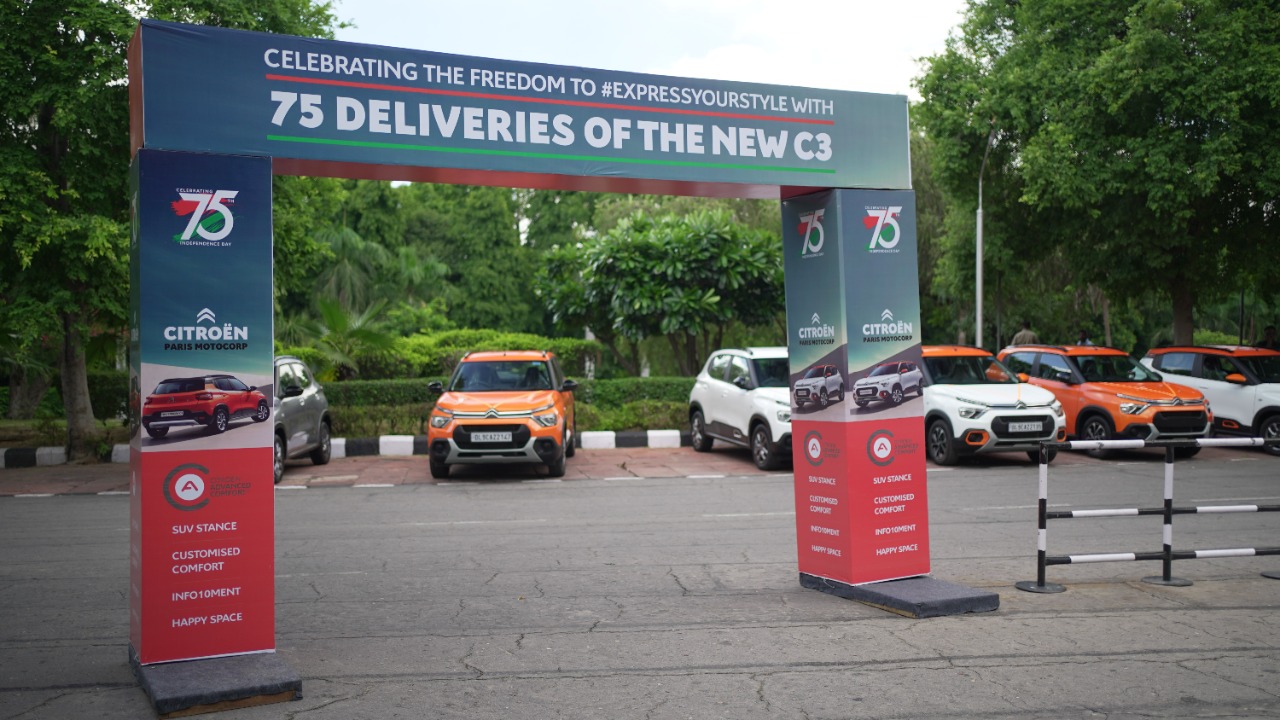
(1038, 345)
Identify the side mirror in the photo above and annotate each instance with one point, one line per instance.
(568, 386)
(742, 382)
(252, 388)
(293, 391)
(1236, 379)
(435, 386)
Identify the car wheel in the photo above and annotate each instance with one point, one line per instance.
(840, 395)
(1097, 427)
(219, 422)
(263, 412)
(158, 432)
(439, 470)
(940, 448)
(1049, 455)
(698, 432)
(278, 460)
(320, 456)
(822, 398)
(762, 449)
(860, 403)
(896, 395)
(556, 467)
(1182, 453)
(572, 440)
(1269, 429)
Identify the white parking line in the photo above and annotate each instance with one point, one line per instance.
(704, 477)
(467, 482)
(1231, 499)
(345, 572)
(473, 522)
(940, 469)
(291, 487)
(34, 495)
(624, 477)
(374, 485)
(114, 492)
(542, 480)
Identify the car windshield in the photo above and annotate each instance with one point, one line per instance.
(501, 376)
(816, 372)
(772, 372)
(1112, 368)
(181, 385)
(968, 370)
(890, 369)
(1266, 367)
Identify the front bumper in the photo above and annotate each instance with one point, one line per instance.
(524, 447)
(1166, 425)
(186, 418)
(997, 435)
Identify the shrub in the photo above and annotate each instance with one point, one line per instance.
(359, 393)
(109, 393)
(619, 392)
(640, 415)
(374, 420)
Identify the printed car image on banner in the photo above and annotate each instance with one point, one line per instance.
(302, 100)
(201, 376)
(860, 483)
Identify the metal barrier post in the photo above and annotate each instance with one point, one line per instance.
(1167, 578)
(1040, 586)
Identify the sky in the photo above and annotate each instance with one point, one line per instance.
(849, 45)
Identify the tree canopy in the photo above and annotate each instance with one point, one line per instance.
(1136, 139)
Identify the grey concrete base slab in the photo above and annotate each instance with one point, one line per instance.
(192, 687)
(918, 597)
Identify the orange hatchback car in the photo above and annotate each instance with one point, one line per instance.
(1107, 395)
(503, 407)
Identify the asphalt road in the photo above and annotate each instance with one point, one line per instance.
(677, 597)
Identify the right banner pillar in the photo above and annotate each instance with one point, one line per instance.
(857, 408)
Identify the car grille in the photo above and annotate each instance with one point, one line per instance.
(1000, 426)
(802, 393)
(866, 392)
(1180, 421)
(519, 437)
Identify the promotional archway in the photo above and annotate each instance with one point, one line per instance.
(215, 112)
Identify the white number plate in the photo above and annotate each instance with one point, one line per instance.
(494, 437)
(1024, 427)
(171, 413)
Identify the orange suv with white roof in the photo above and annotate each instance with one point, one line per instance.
(1107, 395)
(503, 407)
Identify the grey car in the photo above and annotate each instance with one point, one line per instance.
(302, 425)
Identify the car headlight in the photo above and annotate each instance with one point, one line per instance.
(1056, 407)
(972, 413)
(547, 419)
(1134, 406)
(439, 421)
(784, 413)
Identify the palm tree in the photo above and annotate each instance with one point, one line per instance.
(343, 337)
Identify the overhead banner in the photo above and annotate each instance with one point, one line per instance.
(226, 91)
(202, 373)
(857, 414)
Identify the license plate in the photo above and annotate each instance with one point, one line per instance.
(866, 391)
(171, 413)
(1024, 427)
(493, 437)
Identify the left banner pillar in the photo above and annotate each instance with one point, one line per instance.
(201, 374)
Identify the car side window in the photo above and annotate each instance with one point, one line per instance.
(1178, 363)
(1021, 362)
(738, 368)
(284, 378)
(1217, 367)
(300, 372)
(1054, 367)
(557, 377)
(718, 365)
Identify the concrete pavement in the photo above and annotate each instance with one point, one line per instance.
(632, 596)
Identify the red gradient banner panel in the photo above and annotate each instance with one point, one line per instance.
(888, 499)
(207, 570)
(820, 458)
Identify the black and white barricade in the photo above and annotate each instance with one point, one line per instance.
(1167, 555)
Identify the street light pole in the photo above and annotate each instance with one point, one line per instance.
(978, 304)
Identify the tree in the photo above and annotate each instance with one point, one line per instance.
(63, 177)
(343, 336)
(1139, 139)
(687, 278)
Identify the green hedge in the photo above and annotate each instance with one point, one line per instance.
(361, 393)
(108, 391)
(616, 393)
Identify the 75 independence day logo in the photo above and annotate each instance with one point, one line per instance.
(210, 215)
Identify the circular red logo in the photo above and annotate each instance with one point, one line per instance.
(187, 487)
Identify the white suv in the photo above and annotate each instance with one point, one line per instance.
(1242, 384)
(820, 385)
(741, 397)
(973, 404)
(888, 381)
